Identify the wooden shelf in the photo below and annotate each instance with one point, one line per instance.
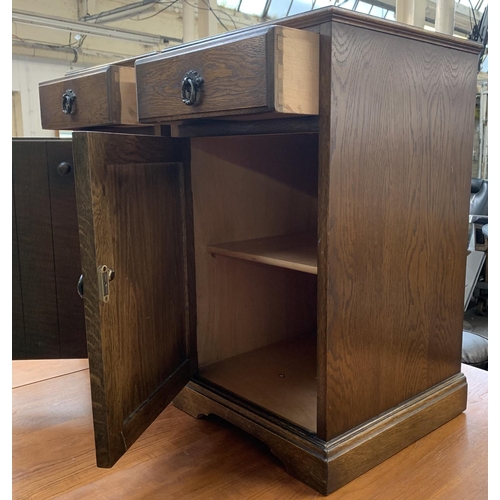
(291, 251)
(280, 377)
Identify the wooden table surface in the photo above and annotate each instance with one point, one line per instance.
(180, 457)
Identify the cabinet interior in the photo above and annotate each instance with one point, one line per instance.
(255, 225)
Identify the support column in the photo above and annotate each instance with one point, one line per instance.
(188, 33)
(207, 22)
(411, 12)
(445, 16)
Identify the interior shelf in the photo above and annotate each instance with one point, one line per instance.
(291, 251)
(280, 377)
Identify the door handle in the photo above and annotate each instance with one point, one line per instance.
(79, 286)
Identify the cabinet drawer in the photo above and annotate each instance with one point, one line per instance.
(103, 96)
(272, 69)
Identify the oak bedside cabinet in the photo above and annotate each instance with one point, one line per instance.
(291, 255)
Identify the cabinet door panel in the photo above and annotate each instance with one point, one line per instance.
(132, 219)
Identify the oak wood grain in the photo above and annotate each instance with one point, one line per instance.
(234, 74)
(298, 251)
(67, 266)
(131, 214)
(180, 457)
(35, 249)
(91, 103)
(395, 148)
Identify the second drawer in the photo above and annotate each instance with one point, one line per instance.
(274, 69)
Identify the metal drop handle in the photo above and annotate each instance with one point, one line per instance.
(190, 87)
(107, 276)
(68, 102)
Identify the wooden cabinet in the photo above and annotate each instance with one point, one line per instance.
(47, 314)
(305, 282)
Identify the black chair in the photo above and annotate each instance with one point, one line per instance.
(475, 346)
(478, 197)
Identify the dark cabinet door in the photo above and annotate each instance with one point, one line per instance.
(135, 237)
(47, 314)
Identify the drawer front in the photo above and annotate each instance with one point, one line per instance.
(255, 73)
(105, 96)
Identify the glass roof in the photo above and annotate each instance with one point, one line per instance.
(274, 9)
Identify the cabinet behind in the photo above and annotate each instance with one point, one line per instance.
(47, 313)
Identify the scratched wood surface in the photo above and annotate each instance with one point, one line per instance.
(185, 458)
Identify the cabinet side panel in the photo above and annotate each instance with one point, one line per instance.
(395, 166)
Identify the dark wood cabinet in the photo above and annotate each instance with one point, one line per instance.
(304, 282)
(47, 313)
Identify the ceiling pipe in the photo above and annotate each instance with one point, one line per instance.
(22, 17)
(66, 54)
(120, 12)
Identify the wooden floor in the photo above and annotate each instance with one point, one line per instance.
(183, 458)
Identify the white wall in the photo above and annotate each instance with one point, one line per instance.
(27, 73)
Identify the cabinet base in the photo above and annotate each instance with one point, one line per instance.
(328, 465)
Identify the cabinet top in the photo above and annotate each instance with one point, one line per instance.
(315, 18)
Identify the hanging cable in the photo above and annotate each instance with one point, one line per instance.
(213, 12)
(156, 13)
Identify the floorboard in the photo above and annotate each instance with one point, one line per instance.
(32, 371)
(179, 457)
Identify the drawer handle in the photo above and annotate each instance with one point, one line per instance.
(68, 101)
(190, 86)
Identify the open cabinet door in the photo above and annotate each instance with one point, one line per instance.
(134, 217)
